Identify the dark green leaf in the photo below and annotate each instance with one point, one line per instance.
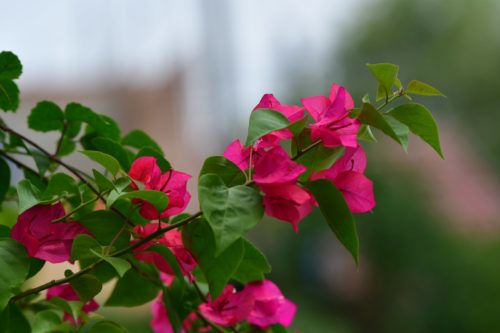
(198, 238)
(35, 266)
(229, 172)
(170, 258)
(86, 286)
(15, 265)
(231, 212)
(253, 266)
(173, 316)
(107, 327)
(4, 179)
(160, 159)
(60, 184)
(12, 320)
(103, 183)
(139, 139)
(9, 95)
(45, 117)
(114, 149)
(67, 147)
(107, 161)
(371, 116)
(10, 66)
(4, 231)
(386, 75)
(420, 88)
(365, 134)
(120, 265)
(82, 246)
(45, 321)
(264, 121)
(42, 161)
(132, 290)
(336, 213)
(420, 122)
(319, 158)
(158, 199)
(102, 125)
(105, 225)
(277, 328)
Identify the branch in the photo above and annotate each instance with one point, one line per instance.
(21, 165)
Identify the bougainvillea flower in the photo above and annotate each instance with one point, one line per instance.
(160, 322)
(173, 183)
(270, 306)
(347, 175)
(42, 238)
(171, 239)
(288, 202)
(291, 112)
(276, 166)
(66, 292)
(333, 125)
(238, 154)
(229, 308)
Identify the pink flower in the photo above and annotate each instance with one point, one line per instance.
(347, 175)
(333, 125)
(171, 239)
(160, 322)
(173, 183)
(275, 166)
(229, 308)
(66, 292)
(42, 238)
(291, 112)
(270, 306)
(238, 154)
(288, 202)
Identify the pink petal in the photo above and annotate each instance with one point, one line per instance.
(145, 170)
(357, 190)
(238, 154)
(316, 105)
(349, 103)
(276, 166)
(268, 101)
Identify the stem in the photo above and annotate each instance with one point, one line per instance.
(83, 204)
(59, 143)
(306, 149)
(87, 269)
(21, 165)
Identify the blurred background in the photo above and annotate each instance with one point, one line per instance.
(189, 72)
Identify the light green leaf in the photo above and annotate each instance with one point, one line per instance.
(139, 139)
(28, 195)
(264, 121)
(158, 199)
(386, 75)
(230, 212)
(107, 161)
(12, 320)
(15, 265)
(371, 116)
(114, 149)
(45, 117)
(253, 266)
(420, 88)
(401, 130)
(365, 133)
(103, 183)
(319, 158)
(45, 321)
(229, 172)
(336, 213)
(60, 184)
(83, 246)
(420, 122)
(198, 238)
(120, 265)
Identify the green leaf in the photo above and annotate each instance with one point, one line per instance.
(158, 199)
(45, 117)
(105, 225)
(45, 321)
(120, 265)
(82, 247)
(4, 231)
(160, 159)
(4, 179)
(67, 147)
(42, 161)
(107, 161)
(231, 212)
(15, 265)
(171, 260)
(35, 266)
(9, 95)
(386, 75)
(12, 320)
(336, 213)
(103, 183)
(198, 238)
(103, 126)
(365, 134)
(229, 172)
(371, 116)
(173, 316)
(277, 328)
(401, 130)
(114, 149)
(132, 290)
(107, 327)
(253, 266)
(86, 286)
(60, 184)
(319, 158)
(420, 122)
(420, 88)
(264, 121)
(28, 195)
(139, 139)
(10, 66)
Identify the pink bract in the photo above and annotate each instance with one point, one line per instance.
(347, 175)
(173, 183)
(275, 166)
(66, 292)
(171, 239)
(229, 308)
(270, 306)
(160, 322)
(333, 125)
(288, 202)
(42, 238)
(238, 154)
